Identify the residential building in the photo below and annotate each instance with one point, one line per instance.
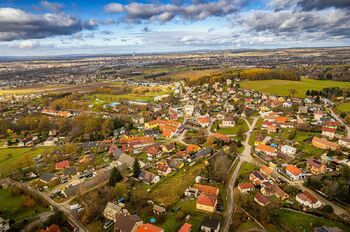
(210, 224)
(268, 150)
(344, 142)
(4, 225)
(315, 166)
(127, 223)
(306, 199)
(261, 199)
(246, 187)
(228, 121)
(149, 177)
(324, 144)
(186, 227)
(293, 172)
(148, 227)
(328, 132)
(289, 150)
(111, 211)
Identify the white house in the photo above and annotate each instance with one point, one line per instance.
(289, 150)
(293, 172)
(344, 142)
(306, 199)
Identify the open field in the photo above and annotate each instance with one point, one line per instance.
(343, 107)
(191, 74)
(246, 168)
(11, 207)
(281, 87)
(10, 158)
(296, 221)
(171, 189)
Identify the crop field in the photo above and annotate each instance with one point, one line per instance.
(282, 87)
(343, 107)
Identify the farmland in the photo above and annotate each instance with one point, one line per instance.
(282, 87)
(343, 107)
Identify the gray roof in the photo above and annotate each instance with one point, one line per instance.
(47, 177)
(211, 223)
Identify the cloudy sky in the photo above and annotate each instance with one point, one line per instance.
(30, 27)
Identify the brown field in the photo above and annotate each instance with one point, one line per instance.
(192, 74)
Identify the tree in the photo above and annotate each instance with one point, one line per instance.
(347, 119)
(114, 177)
(292, 92)
(328, 209)
(308, 93)
(120, 190)
(107, 127)
(28, 202)
(136, 168)
(58, 218)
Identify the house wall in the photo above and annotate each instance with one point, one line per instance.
(205, 208)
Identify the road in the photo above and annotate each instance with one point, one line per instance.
(341, 121)
(245, 156)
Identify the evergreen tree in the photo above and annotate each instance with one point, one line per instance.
(114, 177)
(136, 168)
(308, 93)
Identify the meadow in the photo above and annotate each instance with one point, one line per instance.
(343, 107)
(282, 87)
(10, 158)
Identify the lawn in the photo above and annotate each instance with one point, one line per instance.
(296, 221)
(10, 157)
(301, 136)
(171, 189)
(233, 130)
(343, 107)
(247, 168)
(174, 220)
(310, 150)
(11, 207)
(247, 226)
(282, 87)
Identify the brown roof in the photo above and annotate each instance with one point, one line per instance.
(315, 163)
(306, 196)
(126, 222)
(209, 190)
(246, 185)
(266, 148)
(266, 170)
(262, 199)
(328, 129)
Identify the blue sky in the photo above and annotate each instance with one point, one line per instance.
(99, 26)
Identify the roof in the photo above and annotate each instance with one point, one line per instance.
(204, 199)
(126, 222)
(149, 228)
(328, 129)
(210, 222)
(222, 137)
(185, 227)
(266, 148)
(203, 120)
(47, 176)
(315, 163)
(209, 190)
(246, 185)
(62, 164)
(52, 228)
(257, 175)
(159, 209)
(293, 169)
(325, 142)
(306, 196)
(261, 198)
(266, 170)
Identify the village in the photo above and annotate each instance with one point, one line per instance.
(175, 157)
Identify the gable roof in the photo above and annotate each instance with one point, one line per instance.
(266, 148)
(204, 199)
(210, 222)
(261, 198)
(185, 227)
(149, 228)
(126, 222)
(209, 190)
(293, 169)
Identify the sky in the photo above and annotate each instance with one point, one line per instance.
(44, 28)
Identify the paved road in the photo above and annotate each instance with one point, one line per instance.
(245, 156)
(341, 121)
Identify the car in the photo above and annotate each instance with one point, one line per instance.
(107, 224)
(220, 208)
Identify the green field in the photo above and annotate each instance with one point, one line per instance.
(296, 221)
(282, 87)
(247, 168)
(10, 158)
(11, 207)
(343, 107)
(171, 189)
(233, 130)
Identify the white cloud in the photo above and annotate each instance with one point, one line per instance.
(28, 44)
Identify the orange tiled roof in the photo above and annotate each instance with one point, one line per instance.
(205, 199)
(149, 228)
(266, 148)
(203, 120)
(185, 227)
(293, 169)
(210, 190)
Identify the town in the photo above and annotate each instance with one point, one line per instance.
(178, 155)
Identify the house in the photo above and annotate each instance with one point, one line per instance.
(318, 115)
(111, 211)
(149, 228)
(324, 144)
(47, 177)
(186, 227)
(210, 190)
(289, 150)
(302, 109)
(266, 171)
(344, 142)
(261, 199)
(315, 166)
(153, 152)
(202, 153)
(191, 192)
(328, 132)
(327, 229)
(222, 137)
(279, 193)
(246, 187)
(268, 150)
(71, 171)
(62, 165)
(293, 172)
(206, 203)
(256, 178)
(4, 225)
(269, 189)
(125, 161)
(163, 169)
(158, 210)
(203, 121)
(306, 199)
(131, 143)
(86, 159)
(228, 121)
(169, 147)
(149, 177)
(176, 164)
(51, 228)
(115, 151)
(127, 223)
(50, 141)
(210, 224)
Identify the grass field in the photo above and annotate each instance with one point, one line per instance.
(247, 168)
(281, 87)
(343, 107)
(10, 157)
(11, 207)
(233, 130)
(296, 221)
(171, 189)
